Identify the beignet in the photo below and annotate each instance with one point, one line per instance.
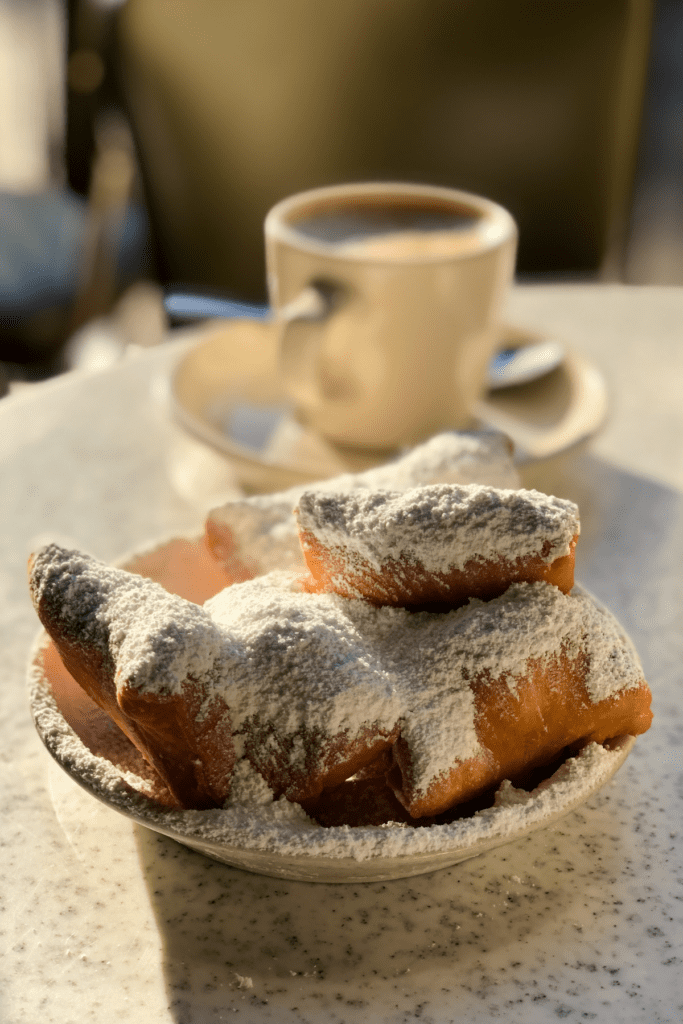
(312, 688)
(255, 535)
(149, 659)
(435, 547)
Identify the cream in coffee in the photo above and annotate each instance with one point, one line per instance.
(397, 232)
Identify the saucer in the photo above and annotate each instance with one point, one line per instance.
(226, 391)
(277, 839)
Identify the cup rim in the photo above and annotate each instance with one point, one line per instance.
(278, 219)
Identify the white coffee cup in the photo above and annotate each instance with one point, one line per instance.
(388, 298)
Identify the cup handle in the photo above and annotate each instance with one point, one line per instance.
(300, 338)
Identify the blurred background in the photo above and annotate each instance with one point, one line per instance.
(143, 141)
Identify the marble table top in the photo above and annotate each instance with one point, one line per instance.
(102, 920)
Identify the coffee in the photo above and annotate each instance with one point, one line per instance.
(397, 232)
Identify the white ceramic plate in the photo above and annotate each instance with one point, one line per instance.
(226, 391)
(275, 839)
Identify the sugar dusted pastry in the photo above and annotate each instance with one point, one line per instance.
(463, 699)
(327, 697)
(315, 687)
(435, 547)
(311, 702)
(254, 535)
(149, 659)
(277, 673)
(505, 686)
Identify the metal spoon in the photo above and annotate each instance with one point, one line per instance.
(520, 365)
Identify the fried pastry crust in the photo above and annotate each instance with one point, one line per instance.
(435, 548)
(522, 727)
(111, 629)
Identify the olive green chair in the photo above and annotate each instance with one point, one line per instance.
(237, 103)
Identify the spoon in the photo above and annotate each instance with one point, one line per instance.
(524, 363)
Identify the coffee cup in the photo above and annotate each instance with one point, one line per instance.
(387, 299)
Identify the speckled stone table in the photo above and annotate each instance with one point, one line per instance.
(104, 921)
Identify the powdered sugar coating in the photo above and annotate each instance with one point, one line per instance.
(442, 526)
(248, 788)
(265, 530)
(474, 457)
(290, 843)
(285, 830)
(148, 639)
(325, 662)
(303, 661)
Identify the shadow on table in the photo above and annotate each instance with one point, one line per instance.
(282, 950)
(292, 950)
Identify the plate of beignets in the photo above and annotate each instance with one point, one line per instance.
(420, 681)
